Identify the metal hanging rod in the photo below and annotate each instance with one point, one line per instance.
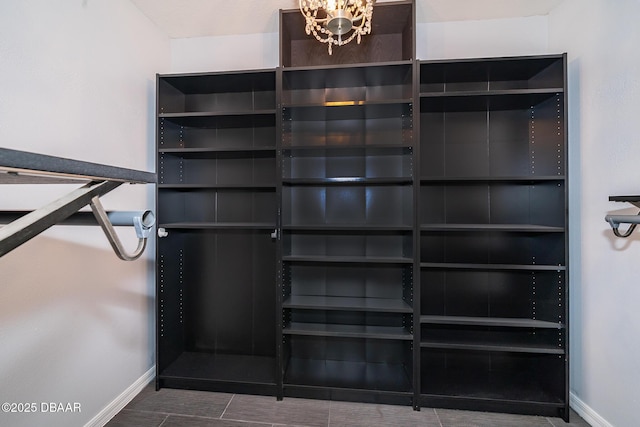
(20, 167)
(615, 220)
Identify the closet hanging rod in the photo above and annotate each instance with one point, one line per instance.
(616, 220)
(20, 167)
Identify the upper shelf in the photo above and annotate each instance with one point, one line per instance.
(200, 97)
(21, 167)
(493, 74)
(629, 199)
(391, 39)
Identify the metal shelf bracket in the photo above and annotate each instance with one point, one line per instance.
(20, 167)
(33, 223)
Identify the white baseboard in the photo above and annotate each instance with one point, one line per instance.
(110, 411)
(103, 417)
(589, 415)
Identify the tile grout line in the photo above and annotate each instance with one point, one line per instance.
(166, 417)
(329, 415)
(437, 417)
(227, 406)
(251, 422)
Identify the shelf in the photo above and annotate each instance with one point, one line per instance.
(338, 181)
(347, 374)
(351, 73)
(348, 111)
(229, 152)
(217, 204)
(223, 120)
(629, 199)
(220, 225)
(483, 343)
(487, 101)
(222, 94)
(234, 82)
(345, 106)
(520, 228)
(507, 385)
(354, 150)
(231, 113)
(188, 187)
(348, 331)
(498, 378)
(491, 334)
(22, 167)
(222, 367)
(309, 302)
(531, 179)
(489, 321)
(343, 149)
(488, 267)
(513, 73)
(348, 228)
(347, 259)
(491, 93)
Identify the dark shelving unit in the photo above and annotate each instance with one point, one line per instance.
(493, 234)
(347, 259)
(217, 200)
(365, 226)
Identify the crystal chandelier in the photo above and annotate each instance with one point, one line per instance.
(330, 21)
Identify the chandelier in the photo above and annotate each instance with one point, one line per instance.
(337, 22)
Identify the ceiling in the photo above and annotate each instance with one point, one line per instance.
(200, 18)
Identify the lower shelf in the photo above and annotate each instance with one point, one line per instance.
(227, 368)
(488, 386)
(347, 375)
(484, 376)
(348, 331)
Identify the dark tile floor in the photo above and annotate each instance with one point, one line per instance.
(186, 408)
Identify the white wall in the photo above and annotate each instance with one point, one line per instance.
(223, 53)
(461, 39)
(77, 79)
(602, 39)
(485, 38)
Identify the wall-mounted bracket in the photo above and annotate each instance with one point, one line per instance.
(19, 167)
(615, 220)
(142, 221)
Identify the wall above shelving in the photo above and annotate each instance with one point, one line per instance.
(203, 18)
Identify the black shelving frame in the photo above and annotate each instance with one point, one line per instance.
(217, 200)
(493, 234)
(347, 260)
(402, 225)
